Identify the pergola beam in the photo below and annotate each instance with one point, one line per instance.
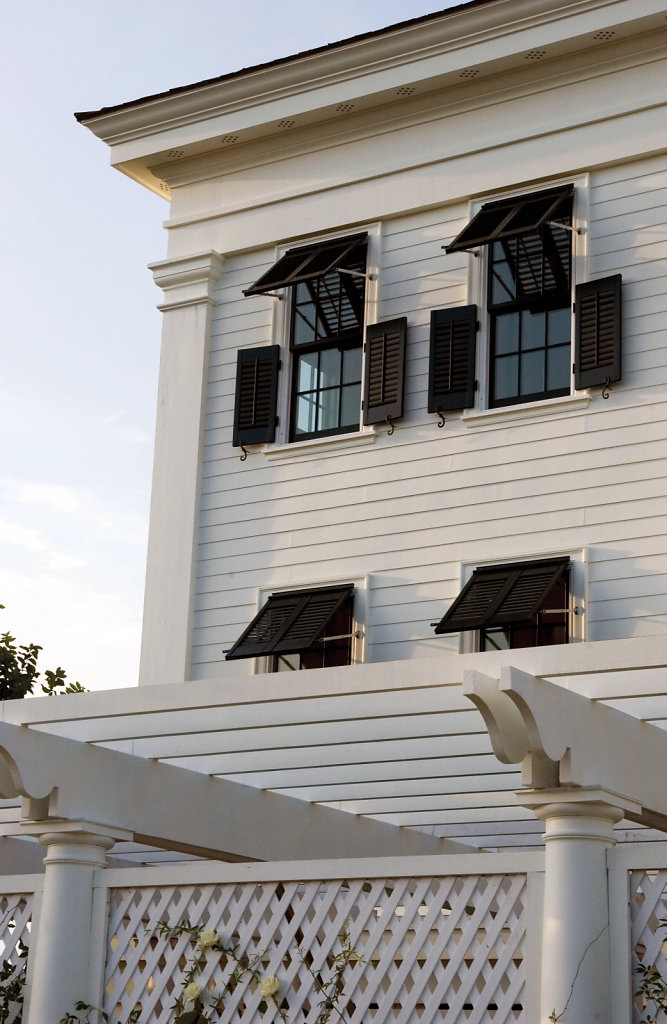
(173, 808)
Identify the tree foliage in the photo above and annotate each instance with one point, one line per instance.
(19, 672)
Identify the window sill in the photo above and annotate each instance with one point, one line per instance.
(529, 411)
(320, 445)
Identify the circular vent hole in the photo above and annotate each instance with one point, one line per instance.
(175, 153)
(535, 54)
(229, 138)
(345, 108)
(604, 34)
(469, 73)
(287, 122)
(406, 90)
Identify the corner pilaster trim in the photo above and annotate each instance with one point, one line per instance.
(188, 280)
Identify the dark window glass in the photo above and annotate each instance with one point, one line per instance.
(326, 340)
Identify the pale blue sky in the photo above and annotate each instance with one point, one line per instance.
(80, 331)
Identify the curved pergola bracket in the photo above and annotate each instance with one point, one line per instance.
(562, 738)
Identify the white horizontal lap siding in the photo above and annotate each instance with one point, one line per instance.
(411, 508)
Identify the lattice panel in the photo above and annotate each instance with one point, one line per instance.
(15, 922)
(433, 949)
(648, 905)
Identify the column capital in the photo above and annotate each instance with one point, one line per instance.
(188, 280)
(67, 832)
(577, 802)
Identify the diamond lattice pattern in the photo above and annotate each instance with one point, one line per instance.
(15, 922)
(648, 905)
(432, 949)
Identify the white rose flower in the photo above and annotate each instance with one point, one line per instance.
(192, 991)
(207, 938)
(269, 986)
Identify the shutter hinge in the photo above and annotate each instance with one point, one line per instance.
(476, 387)
(574, 368)
(574, 307)
(477, 325)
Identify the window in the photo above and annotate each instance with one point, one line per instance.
(527, 242)
(330, 354)
(301, 629)
(518, 604)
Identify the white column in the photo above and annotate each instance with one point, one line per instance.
(188, 284)
(62, 969)
(576, 965)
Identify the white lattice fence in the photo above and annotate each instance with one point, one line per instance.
(15, 922)
(648, 904)
(433, 948)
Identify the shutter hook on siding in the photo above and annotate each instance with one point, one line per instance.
(245, 453)
(441, 414)
(606, 384)
(391, 426)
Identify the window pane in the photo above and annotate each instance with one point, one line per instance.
(558, 367)
(560, 325)
(351, 365)
(329, 410)
(502, 285)
(306, 414)
(506, 377)
(330, 360)
(507, 333)
(496, 640)
(307, 372)
(533, 327)
(350, 405)
(532, 372)
(304, 324)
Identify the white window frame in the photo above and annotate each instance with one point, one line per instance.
(470, 638)
(280, 335)
(361, 586)
(477, 290)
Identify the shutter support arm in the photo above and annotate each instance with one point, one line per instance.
(355, 273)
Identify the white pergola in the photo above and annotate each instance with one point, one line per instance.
(228, 770)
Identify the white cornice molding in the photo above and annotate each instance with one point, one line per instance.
(188, 280)
(360, 68)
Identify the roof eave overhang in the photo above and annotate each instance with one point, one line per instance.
(423, 55)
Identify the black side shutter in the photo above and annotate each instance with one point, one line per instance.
(256, 395)
(384, 350)
(451, 370)
(597, 332)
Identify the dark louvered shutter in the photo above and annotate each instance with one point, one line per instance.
(451, 371)
(384, 350)
(502, 594)
(256, 395)
(597, 326)
(289, 623)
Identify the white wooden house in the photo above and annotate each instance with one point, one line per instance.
(407, 550)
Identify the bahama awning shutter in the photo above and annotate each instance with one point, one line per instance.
(515, 217)
(498, 595)
(256, 395)
(384, 369)
(597, 332)
(451, 369)
(307, 262)
(289, 623)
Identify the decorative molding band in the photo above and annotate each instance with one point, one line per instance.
(188, 280)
